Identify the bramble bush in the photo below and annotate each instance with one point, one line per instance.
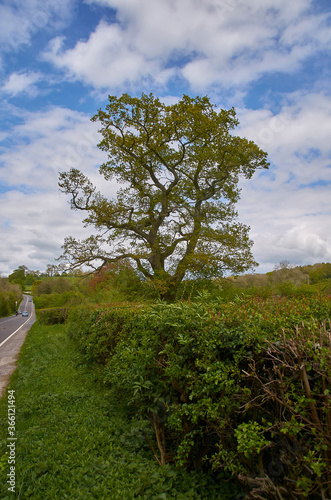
(241, 387)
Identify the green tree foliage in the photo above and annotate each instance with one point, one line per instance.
(51, 285)
(122, 279)
(51, 292)
(180, 166)
(59, 292)
(10, 296)
(285, 280)
(18, 276)
(322, 273)
(23, 276)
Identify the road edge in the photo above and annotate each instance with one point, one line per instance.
(10, 351)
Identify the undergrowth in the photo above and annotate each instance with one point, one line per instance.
(76, 442)
(242, 386)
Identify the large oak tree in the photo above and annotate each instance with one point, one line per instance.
(175, 214)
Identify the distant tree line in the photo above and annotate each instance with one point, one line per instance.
(25, 277)
(120, 281)
(285, 271)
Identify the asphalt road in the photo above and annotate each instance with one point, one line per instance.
(12, 324)
(13, 331)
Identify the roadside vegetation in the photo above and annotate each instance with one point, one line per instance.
(223, 393)
(10, 296)
(241, 386)
(120, 282)
(76, 441)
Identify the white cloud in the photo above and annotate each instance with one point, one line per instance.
(18, 83)
(224, 42)
(297, 138)
(306, 242)
(33, 227)
(106, 60)
(19, 20)
(289, 207)
(35, 216)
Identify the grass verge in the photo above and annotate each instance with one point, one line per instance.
(73, 442)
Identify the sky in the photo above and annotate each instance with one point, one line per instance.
(269, 59)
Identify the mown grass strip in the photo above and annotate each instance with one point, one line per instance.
(74, 442)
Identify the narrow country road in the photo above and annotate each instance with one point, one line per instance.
(13, 331)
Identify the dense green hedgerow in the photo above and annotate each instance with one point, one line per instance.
(98, 330)
(242, 386)
(53, 315)
(74, 441)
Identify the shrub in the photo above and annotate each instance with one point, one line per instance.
(10, 295)
(235, 386)
(69, 298)
(98, 331)
(53, 315)
(51, 285)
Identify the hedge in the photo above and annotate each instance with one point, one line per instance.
(53, 315)
(242, 387)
